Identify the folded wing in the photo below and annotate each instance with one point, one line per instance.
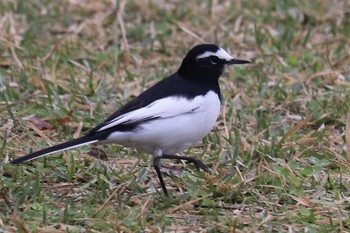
(163, 108)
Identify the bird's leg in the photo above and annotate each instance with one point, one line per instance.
(199, 164)
(157, 165)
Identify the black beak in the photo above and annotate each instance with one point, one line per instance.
(238, 61)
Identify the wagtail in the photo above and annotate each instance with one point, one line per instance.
(167, 118)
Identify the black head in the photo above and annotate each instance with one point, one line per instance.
(206, 63)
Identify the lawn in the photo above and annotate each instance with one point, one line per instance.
(278, 152)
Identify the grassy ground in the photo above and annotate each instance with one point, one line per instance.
(278, 152)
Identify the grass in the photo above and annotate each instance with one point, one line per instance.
(278, 151)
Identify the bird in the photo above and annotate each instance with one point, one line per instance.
(169, 117)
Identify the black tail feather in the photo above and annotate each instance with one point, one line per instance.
(85, 140)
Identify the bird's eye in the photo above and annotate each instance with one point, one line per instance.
(214, 60)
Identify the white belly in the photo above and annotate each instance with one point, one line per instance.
(173, 134)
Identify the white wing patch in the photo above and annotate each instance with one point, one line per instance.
(221, 53)
(162, 108)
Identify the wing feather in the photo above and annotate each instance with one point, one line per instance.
(174, 85)
(163, 108)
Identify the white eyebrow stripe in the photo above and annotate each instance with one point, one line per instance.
(221, 53)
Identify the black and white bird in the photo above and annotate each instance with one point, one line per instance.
(169, 117)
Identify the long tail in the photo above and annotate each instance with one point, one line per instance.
(85, 140)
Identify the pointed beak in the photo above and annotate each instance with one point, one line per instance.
(237, 61)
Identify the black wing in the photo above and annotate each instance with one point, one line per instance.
(172, 85)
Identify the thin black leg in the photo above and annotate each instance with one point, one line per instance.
(157, 165)
(199, 164)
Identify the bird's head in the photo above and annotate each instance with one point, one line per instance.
(206, 61)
